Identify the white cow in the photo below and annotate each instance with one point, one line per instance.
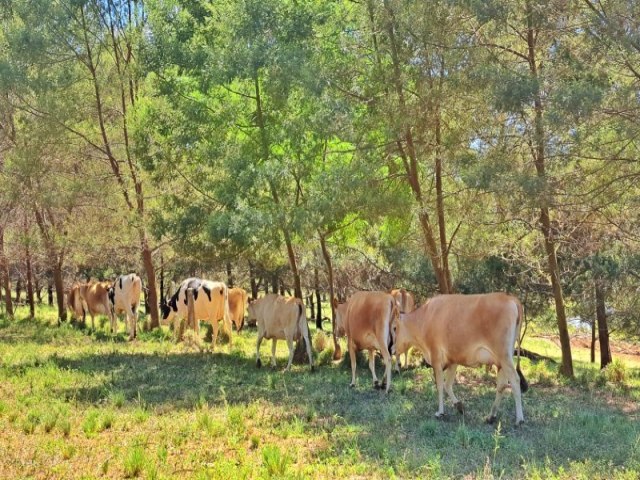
(124, 297)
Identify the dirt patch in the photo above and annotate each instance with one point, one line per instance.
(622, 349)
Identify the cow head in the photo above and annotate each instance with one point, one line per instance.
(251, 311)
(400, 335)
(341, 317)
(168, 310)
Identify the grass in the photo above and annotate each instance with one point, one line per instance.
(78, 404)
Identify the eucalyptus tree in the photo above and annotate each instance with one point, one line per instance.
(241, 75)
(75, 62)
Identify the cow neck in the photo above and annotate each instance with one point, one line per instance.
(414, 321)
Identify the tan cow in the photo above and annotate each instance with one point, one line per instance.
(95, 298)
(211, 303)
(406, 304)
(237, 304)
(74, 303)
(368, 325)
(280, 318)
(341, 315)
(124, 297)
(468, 330)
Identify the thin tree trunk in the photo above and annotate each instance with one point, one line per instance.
(30, 300)
(337, 354)
(38, 289)
(50, 295)
(318, 303)
(152, 292)
(252, 280)
(59, 286)
(566, 368)
(603, 328)
(229, 275)
(163, 295)
(18, 291)
(6, 280)
(593, 341)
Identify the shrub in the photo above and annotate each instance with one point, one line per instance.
(319, 341)
(191, 341)
(134, 462)
(275, 461)
(65, 426)
(90, 424)
(616, 372)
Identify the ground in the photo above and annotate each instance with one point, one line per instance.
(81, 404)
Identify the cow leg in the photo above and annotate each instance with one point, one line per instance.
(131, 320)
(514, 380)
(439, 374)
(502, 384)
(406, 359)
(226, 325)
(352, 356)
(305, 335)
(387, 374)
(93, 323)
(273, 352)
(290, 345)
(449, 380)
(372, 367)
(214, 335)
(259, 341)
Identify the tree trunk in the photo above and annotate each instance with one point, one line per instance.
(539, 155)
(18, 291)
(274, 282)
(337, 354)
(6, 280)
(252, 280)
(229, 275)
(50, 295)
(38, 289)
(318, 303)
(293, 264)
(603, 328)
(59, 286)
(152, 293)
(593, 341)
(163, 295)
(30, 299)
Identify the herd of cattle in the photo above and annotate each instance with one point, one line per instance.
(449, 330)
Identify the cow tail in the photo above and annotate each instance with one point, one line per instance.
(524, 386)
(227, 314)
(394, 316)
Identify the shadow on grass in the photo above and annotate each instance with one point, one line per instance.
(564, 424)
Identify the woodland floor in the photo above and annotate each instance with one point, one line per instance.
(82, 404)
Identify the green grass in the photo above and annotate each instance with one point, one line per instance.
(77, 404)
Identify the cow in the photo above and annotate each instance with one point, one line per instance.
(369, 325)
(237, 305)
(74, 303)
(95, 299)
(124, 297)
(468, 330)
(280, 318)
(340, 310)
(406, 304)
(210, 302)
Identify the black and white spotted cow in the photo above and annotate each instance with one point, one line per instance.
(211, 303)
(124, 298)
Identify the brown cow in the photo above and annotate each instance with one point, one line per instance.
(74, 303)
(280, 318)
(237, 305)
(368, 324)
(95, 297)
(468, 330)
(406, 304)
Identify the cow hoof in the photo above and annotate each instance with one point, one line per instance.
(460, 407)
(491, 419)
(519, 422)
(313, 368)
(376, 385)
(352, 385)
(440, 416)
(258, 363)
